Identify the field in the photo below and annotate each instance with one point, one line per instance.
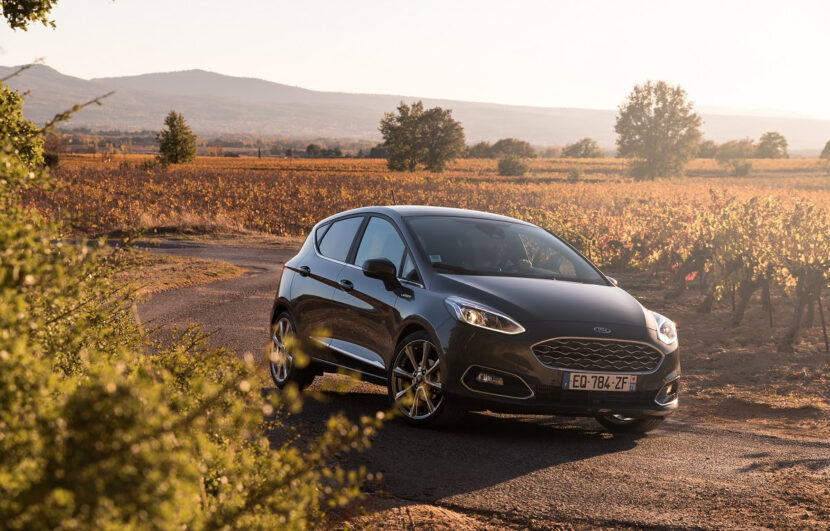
(734, 239)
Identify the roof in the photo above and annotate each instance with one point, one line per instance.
(422, 210)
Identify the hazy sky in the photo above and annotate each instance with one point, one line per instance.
(751, 55)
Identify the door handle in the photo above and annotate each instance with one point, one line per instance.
(346, 285)
(304, 271)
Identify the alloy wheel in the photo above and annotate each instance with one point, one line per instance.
(416, 380)
(281, 360)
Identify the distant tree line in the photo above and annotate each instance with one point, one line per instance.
(772, 145)
(502, 148)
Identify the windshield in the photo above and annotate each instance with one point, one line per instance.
(475, 246)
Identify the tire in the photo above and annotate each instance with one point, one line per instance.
(415, 384)
(281, 364)
(619, 424)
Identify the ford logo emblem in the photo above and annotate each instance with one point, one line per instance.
(602, 330)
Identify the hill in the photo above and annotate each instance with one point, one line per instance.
(216, 104)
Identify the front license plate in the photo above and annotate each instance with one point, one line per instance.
(589, 381)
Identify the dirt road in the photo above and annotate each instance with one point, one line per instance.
(530, 471)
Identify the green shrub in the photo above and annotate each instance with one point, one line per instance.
(97, 433)
(737, 167)
(512, 165)
(575, 174)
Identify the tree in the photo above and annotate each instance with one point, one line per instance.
(20, 13)
(585, 148)
(482, 150)
(443, 138)
(512, 146)
(313, 150)
(772, 146)
(177, 143)
(737, 149)
(377, 152)
(707, 149)
(825, 153)
(416, 136)
(658, 129)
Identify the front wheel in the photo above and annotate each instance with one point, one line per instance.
(415, 383)
(281, 362)
(622, 424)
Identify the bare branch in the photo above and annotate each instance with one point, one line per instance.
(21, 69)
(67, 115)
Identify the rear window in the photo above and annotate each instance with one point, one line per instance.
(335, 242)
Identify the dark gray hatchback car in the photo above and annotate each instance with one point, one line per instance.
(455, 310)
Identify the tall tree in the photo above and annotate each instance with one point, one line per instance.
(177, 143)
(658, 129)
(415, 136)
(443, 138)
(772, 146)
(586, 148)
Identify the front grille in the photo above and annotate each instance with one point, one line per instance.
(597, 355)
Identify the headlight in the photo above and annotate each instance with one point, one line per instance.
(666, 331)
(482, 316)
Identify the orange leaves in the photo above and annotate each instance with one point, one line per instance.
(763, 221)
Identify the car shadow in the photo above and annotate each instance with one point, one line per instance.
(480, 451)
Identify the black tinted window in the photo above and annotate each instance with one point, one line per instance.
(337, 241)
(471, 246)
(380, 240)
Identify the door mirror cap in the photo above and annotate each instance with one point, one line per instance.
(613, 280)
(382, 269)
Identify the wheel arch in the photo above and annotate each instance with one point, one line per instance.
(280, 305)
(413, 325)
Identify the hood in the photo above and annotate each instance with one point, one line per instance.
(536, 299)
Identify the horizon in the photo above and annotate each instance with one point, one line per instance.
(713, 110)
(474, 52)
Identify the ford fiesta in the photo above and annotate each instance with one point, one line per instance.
(456, 310)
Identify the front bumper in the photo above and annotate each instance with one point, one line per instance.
(531, 387)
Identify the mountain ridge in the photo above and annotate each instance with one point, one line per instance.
(216, 104)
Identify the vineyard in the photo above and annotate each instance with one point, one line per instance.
(732, 237)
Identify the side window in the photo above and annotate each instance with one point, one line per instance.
(380, 240)
(408, 271)
(337, 241)
(321, 232)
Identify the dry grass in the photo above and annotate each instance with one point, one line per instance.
(153, 272)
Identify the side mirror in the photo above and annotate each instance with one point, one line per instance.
(382, 269)
(613, 280)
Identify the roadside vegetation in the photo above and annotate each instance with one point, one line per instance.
(100, 430)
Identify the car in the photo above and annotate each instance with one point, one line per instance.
(457, 310)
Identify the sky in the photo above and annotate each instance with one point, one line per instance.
(726, 54)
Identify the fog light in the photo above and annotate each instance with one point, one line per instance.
(668, 393)
(487, 378)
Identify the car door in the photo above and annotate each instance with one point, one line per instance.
(364, 334)
(314, 285)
